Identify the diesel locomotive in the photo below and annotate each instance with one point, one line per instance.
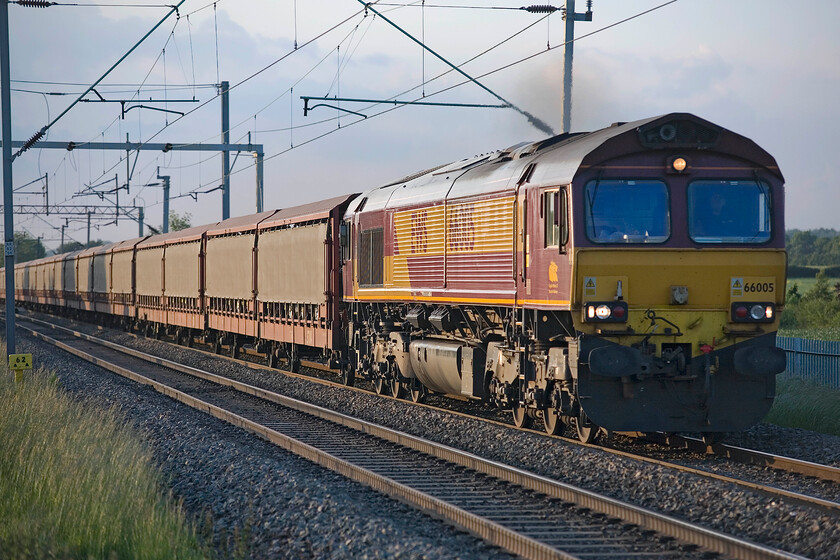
(628, 279)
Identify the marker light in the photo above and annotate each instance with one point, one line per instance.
(605, 312)
(753, 312)
(679, 164)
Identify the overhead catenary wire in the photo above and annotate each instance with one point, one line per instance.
(489, 73)
(535, 121)
(243, 81)
(38, 135)
(446, 89)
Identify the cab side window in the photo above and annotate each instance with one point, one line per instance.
(555, 218)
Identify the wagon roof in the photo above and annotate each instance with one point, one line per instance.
(189, 234)
(239, 223)
(305, 212)
(126, 245)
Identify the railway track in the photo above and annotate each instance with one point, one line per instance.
(528, 515)
(696, 446)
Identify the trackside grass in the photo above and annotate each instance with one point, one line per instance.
(805, 405)
(75, 482)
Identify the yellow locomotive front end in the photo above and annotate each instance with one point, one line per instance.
(678, 281)
(678, 340)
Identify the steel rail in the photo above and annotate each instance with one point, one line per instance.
(825, 472)
(787, 464)
(488, 530)
(749, 456)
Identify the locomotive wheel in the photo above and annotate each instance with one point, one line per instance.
(416, 391)
(521, 418)
(380, 385)
(398, 388)
(552, 423)
(348, 375)
(587, 432)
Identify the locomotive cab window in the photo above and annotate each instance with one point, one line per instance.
(729, 212)
(627, 211)
(555, 218)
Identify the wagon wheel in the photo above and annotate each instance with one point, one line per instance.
(234, 348)
(416, 391)
(271, 358)
(587, 432)
(217, 346)
(348, 374)
(294, 358)
(190, 339)
(553, 424)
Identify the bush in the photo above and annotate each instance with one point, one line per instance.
(818, 307)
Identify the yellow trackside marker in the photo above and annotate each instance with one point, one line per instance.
(20, 363)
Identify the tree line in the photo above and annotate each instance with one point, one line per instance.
(29, 248)
(815, 247)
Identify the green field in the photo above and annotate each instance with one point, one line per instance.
(76, 482)
(806, 284)
(804, 405)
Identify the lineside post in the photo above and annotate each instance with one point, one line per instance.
(8, 203)
(225, 86)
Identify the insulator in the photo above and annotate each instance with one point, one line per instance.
(540, 9)
(35, 137)
(35, 3)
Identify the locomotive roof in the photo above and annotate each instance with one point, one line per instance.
(556, 160)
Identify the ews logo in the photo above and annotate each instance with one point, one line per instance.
(419, 237)
(462, 228)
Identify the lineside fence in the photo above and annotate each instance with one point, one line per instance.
(816, 361)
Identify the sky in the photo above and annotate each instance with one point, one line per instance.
(766, 69)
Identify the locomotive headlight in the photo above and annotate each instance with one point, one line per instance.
(768, 313)
(590, 311)
(741, 312)
(757, 312)
(676, 164)
(603, 312)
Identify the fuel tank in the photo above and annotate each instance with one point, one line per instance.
(437, 364)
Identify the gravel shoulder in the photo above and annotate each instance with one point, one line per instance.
(249, 498)
(720, 506)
